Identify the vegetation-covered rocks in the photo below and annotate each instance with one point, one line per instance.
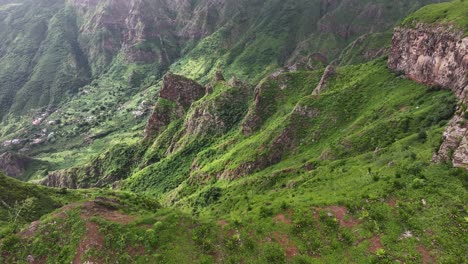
(250, 150)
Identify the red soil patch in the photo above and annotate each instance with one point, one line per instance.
(281, 218)
(63, 211)
(40, 260)
(94, 209)
(288, 246)
(136, 251)
(375, 244)
(91, 240)
(31, 230)
(392, 203)
(117, 217)
(426, 256)
(222, 223)
(340, 213)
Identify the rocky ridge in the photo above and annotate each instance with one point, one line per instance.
(437, 55)
(175, 97)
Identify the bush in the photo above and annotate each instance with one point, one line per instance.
(417, 183)
(266, 212)
(208, 197)
(274, 254)
(422, 136)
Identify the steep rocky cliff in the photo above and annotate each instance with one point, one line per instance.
(68, 43)
(175, 97)
(14, 165)
(437, 55)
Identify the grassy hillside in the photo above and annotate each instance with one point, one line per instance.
(362, 189)
(22, 203)
(90, 78)
(258, 170)
(454, 12)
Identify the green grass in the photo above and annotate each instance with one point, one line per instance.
(370, 158)
(368, 153)
(454, 13)
(23, 203)
(268, 196)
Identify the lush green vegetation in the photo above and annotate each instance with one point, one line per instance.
(22, 203)
(371, 157)
(80, 120)
(454, 12)
(271, 174)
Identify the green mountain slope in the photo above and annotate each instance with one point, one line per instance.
(22, 202)
(362, 190)
(452, 13)
(249, 151)
(91, 69)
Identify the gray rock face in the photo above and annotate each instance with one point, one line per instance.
(437, 55)
(14, 165)
(433, 56)
(322, 86)
(181, 90)
(60, 179)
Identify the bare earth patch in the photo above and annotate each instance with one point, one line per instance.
(91, 240)
(281, 218)
(31, 230)
(426, 256)
(342, 214)
(288, 246)
(375, 244)
(392, 202)
(94, 209)
(222, 223)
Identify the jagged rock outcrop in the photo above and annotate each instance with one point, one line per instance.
(116, 164)
(455, 145)
(215, 114)
(366, 48)
(433, 55)
(322, 86)
(266, 95)
(60, 179)
(181, 90)
(176, 96)
(14, 165)
(437, 55)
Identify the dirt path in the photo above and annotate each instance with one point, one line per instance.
(92, 239)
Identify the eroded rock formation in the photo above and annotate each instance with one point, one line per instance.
(14, 165)
(176, 96)
(437, 55)
(322, 86)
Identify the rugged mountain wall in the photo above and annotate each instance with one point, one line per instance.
(14, 165)
(437, 55)
(49, 49)
(176, 96)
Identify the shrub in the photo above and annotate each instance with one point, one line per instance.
(417, 183)
(274, 254)
(422, 136)
(266, 212)
(210, 196)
